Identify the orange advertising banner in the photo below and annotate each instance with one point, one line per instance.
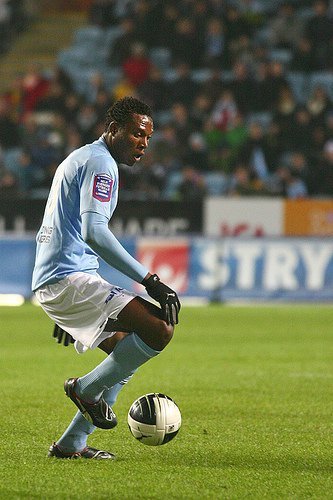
(308, 218)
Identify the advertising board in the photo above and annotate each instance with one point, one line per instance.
(284, 269)
(308, 218)
(243, 217)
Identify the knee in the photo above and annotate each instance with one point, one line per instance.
(164, 334)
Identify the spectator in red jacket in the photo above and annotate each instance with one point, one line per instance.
(137, 66)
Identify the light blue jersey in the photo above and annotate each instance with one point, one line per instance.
(86, 181)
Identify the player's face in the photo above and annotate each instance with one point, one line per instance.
(130, 142)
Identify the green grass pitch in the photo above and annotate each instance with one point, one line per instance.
(254, 385)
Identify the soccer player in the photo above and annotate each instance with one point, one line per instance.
(86, 308)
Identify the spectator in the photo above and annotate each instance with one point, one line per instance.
(14, 96)
(319, 137)
(8, 185)
(253, 12)
(205, 122)
(224, 111)
(102, 102)
(276, 81)
(253, 152)
(192, 186)
(86, 120)
(73, 140)
(121, 47)
(244, 182)
(123, 88)
(154, 90)
(200, 14)
(9, 127)
(302, 56)
(96, 83)
(71, 107)
(103, 13)
(242, 87)
(200, 110)
(213, 85)
(169, 14)
(299, 166)
(235, 26)
(284, 114)
(328, 124)
(5, 19)
(263, 89)
(53, 100)
(29, 174)
(180, 120)
(300, 130)
(43, 153)
(296, 188)
(185, 45)
(242, 49)
(183, 88)
(237, 135)
(35, 86)
(146, 25)
(166, 146)
(319, 30)
(287, 184)
(137, 66)
(273, 145)
(319, 104)
(286, 27)
(197, 153)
(321, 175)
(214, 42)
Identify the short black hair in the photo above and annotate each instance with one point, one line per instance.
(122, 111)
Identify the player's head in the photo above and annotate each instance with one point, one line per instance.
(128, 128)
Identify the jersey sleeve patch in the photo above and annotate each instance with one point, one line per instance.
(102, 187)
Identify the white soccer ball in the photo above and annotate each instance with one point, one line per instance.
(154, 419)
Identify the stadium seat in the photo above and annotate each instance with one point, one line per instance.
(89, 35)
(111, 75)
(171, 188)
(283, 56)
(163, 117)
(160, 57)
(77, 56)
(111, 34)
(263, 118)
(201, 75)
(11, 160)
(217, 183)
(322, 79)
(299, 85)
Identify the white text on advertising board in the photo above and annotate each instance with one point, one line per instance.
(270, 265)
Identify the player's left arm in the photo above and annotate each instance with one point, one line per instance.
(97, 191)
(97, 235)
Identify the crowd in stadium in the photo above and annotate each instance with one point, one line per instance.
(241, 90)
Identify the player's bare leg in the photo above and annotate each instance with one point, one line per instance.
(145, 319)
(150, 334)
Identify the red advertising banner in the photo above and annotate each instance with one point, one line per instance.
(169, 259)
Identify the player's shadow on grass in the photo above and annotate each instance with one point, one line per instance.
(224, 460)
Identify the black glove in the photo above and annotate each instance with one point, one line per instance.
(62, 336)
(167, 298)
